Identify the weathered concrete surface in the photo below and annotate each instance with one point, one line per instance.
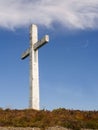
(34, 69)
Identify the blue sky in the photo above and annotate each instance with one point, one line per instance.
(68, 64)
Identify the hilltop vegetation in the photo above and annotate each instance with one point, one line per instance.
(74, 119)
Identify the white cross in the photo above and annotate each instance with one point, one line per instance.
(34, 71)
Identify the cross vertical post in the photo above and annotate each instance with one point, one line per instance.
(32, 52)
(34, 74)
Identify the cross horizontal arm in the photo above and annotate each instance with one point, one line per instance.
(41, 42)
(25, 54)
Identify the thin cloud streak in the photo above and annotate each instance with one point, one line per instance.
(74, 14)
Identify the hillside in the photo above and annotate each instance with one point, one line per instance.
(74, 119)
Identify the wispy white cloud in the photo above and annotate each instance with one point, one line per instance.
(72, 14)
